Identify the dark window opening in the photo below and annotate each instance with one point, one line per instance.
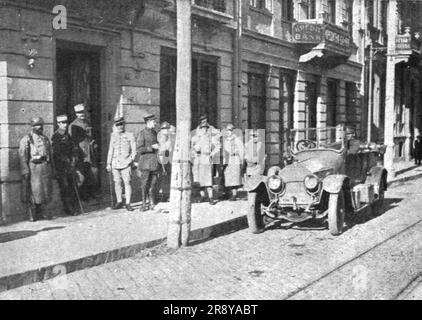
(287, 10)
(331, 103)
(331, 11)
(256, 101)
(217, 5)
(203, 93)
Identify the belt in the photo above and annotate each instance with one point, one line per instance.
(39, 160)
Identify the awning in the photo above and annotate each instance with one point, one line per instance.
(314, 53)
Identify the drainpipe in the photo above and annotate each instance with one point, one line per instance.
(237, 67)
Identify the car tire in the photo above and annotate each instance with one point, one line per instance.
(336, 213)
(254, 216)
(377, 205)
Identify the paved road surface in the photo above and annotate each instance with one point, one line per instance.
(377, 258)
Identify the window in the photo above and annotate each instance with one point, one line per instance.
(331, 10)
(370, 12)
(287, 10)
(218, 5)
(256, 101)
(384, 8)
(204, 88)
(310, 104)
(331, 103)
(261, 4)
(308, 9)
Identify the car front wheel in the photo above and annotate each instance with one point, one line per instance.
(255, 218)
(336, 212)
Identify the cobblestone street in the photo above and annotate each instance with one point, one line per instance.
(374, 259)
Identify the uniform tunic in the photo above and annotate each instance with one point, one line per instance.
(204, 149)
(35, 160)
(122, 150)
(148, 160)
(255, 158)
(63, 151)
(64, 155)
(233, 158)
(79, 131)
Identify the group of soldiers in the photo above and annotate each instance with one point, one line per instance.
(72, 155)
(70, 158)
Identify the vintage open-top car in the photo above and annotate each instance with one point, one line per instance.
(330, 173)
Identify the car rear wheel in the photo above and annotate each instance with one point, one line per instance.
(377, 205)
(336, 212)
(255, 218)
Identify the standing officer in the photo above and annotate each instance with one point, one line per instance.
(204, 149)
(80, 132)
(233, 160)
(36, 168)
(64, 155)
(121, 155)
(148, 167)
(166, 140)
(254, 155)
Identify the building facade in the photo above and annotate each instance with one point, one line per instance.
(265, 64)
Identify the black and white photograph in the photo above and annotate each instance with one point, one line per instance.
(225, 151)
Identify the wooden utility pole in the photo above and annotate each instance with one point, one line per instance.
(181, 181)
(390, 89)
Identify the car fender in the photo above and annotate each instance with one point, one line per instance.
(376, 176)
(252, 183)
(333, 183)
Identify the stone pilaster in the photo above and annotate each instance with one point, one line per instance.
(273, 119)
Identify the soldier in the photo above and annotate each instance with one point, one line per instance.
(166, 140)
(254, 155)
(121, 155)
(64, 156)
(36, 168)
(80, 132)
(233, 160)
(148, 167)
(204, 149)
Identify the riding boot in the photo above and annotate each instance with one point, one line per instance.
(143, 208)
(151, 202)
(32, 214)
(38, 212)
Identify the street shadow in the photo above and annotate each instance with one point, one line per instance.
(212, 236)
(372, 213)
(18, 235)
(350, 220)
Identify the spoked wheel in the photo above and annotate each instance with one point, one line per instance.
(377, 205)
(255, 218)
(336, 213)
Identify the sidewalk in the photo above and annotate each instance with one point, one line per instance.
(405, 171)
(33, 252)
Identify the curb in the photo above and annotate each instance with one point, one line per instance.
(404, 179)
(59, 269)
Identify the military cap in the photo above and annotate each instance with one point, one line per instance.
(230, 127)
(350, 130)
(79, 108)
(165, 125)
(203, 117)
(149, 117)
(119, 121)
(62, 118)
(253, 133)
(37, 121)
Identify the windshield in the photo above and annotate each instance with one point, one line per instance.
(316, 138)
